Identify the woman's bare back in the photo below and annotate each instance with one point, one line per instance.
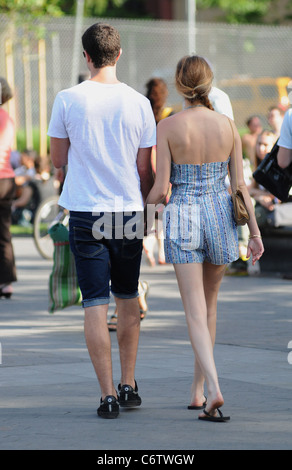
(199, 135)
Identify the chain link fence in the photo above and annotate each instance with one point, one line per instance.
(239, 54)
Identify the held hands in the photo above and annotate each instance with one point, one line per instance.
(255, 248)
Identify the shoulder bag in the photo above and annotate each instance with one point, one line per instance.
(276, 180)
(241, 214)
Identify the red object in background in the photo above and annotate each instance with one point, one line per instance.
(161, 9)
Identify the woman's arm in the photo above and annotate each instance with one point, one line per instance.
(255, 245)
(159, 190)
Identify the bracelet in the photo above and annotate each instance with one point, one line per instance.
(254, 236)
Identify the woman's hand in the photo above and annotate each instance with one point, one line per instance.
(255, 248)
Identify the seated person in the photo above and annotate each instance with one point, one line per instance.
(264, 200)
(249, 139)
(27, 193)
(275, 119)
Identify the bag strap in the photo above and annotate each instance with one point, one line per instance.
(234, 150)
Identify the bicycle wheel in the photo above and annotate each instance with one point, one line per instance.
(45, 215)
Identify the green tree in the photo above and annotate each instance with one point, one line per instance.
(116, 8)
(98, 8)
(31, 7)
(239, 11)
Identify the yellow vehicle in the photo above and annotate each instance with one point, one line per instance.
(250, 96)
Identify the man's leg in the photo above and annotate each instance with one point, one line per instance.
(128, 330)
(125, 256)
(99, 346)
(93, 268)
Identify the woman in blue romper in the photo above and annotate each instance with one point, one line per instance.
(195, 148)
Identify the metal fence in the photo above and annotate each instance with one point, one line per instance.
(39, 69)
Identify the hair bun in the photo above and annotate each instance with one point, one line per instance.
(194, 79)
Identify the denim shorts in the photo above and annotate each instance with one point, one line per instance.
(107, 251)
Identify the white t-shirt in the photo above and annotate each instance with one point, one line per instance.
(285, 139)
(106, 125)
(221, 102)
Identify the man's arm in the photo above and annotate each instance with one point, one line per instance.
(145, 171)
(284, 157)
(59, 151)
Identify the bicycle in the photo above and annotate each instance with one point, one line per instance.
(48, 213)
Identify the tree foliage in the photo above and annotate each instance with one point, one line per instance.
(239, 11)
(233, 11)
(92, 8)
(116, 8)
(31, 7)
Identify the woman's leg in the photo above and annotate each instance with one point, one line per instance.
(195, 297)
(212, 277)
(7, 262)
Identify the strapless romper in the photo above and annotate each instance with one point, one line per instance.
(198, 220)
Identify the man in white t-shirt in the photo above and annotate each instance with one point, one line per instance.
(104, 131)
(221, 102)
(285, 141)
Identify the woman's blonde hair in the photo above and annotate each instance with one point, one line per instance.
(193, 79)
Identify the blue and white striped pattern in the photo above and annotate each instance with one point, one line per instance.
(200, 190)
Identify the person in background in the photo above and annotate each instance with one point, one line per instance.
(275, 119)
(195, 147)
(157, 93)
(285, 141)
(221, 102)
(219, 98)
(285, 151)
(264, 200)
(249, 139)
(104, 130)
(143, 291)
(7, 191)
(27, 192)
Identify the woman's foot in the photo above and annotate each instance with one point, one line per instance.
(211, 411)
(198, 403)
(112, 323)
(150, 258)
(198, 399)
(142, 299)
(6, 290)
(148, 248)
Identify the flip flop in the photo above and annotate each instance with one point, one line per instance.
(112, 323)
(218, 419)
(195, 407)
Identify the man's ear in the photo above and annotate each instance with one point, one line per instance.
(120, 53)
(87, 57)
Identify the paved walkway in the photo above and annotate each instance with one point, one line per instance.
(49, 393)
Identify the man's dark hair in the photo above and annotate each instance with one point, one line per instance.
(102, 43)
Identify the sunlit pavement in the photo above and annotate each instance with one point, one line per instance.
(49, 393)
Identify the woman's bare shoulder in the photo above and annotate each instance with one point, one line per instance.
(168, 123)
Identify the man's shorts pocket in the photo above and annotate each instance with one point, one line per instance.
(131, 248)
(85, 244)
